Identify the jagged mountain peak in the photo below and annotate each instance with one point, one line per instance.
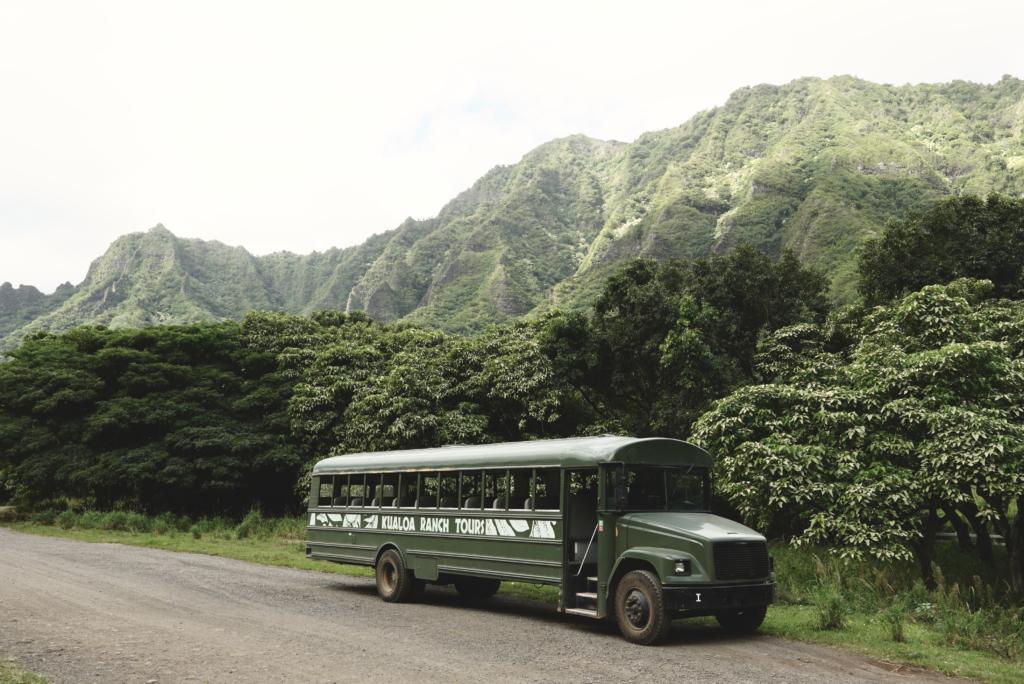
(815, 165)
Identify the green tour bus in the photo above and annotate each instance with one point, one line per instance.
(620, 524)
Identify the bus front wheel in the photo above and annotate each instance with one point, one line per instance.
(477, 587)
(640, 608)
(395, 582)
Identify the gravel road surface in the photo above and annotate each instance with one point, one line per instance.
(83, 612)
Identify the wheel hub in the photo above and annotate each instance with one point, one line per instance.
(637, 608)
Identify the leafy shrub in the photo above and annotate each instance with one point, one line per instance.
(252, 525)
(138, 522)
(45, 517)
(160, 526)
(893, 616)
(115, 520)
(91, 520)
(289, 528)
(67, 519)
(995, 630)
(830, 607)
(218, 525)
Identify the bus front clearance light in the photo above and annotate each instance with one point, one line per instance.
(682, 567)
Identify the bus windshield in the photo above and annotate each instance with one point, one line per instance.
(653, 488)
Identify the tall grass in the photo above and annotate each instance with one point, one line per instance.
(972, 607)
(254, 525)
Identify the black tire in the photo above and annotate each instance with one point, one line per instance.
(395, 582)
(640, 608)
(477, 587)
(742, 621)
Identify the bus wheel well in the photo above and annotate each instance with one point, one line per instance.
(383, 548)
(628, 565)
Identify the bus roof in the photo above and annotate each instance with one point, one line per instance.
(572, 452)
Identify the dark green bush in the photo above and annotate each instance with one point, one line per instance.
(44, 517)
(67, 519)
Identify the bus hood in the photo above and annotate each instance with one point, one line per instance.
(699, 527)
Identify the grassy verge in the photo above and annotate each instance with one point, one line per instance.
(924, 646)
(12, 673)
(965, 628)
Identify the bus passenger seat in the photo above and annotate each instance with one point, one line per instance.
(500, 503)
(527, 504)
(449, 502)
(472, 502)
(340, 501)
(358, 501)
(375, 502)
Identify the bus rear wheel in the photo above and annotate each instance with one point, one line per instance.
(640, 608)
(395, 582)
(477, 587)
(742, 621)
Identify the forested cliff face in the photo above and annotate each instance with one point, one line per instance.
(814, 165)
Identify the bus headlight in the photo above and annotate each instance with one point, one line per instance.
(682, 567)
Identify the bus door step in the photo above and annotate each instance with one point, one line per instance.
(585, 612)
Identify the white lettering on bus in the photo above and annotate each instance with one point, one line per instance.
(435, 525)
(402, 523)
(469, 525)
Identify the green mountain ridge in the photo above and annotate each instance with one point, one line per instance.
(814, 165)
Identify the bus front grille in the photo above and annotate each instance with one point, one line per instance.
(741, 560)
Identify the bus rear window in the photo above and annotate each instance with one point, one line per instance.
(326, 490)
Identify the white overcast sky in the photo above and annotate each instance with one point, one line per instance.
(305, 125)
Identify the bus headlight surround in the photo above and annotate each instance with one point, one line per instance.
(682, 567)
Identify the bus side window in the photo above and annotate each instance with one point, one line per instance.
(340, 491)
(428, 496)
(494, 486)
(449, 491)
(500, 501)
(469, 492)
(407, 485)
(386, 490)
(545, 489)
(357, 491)
(519, 488)
(326, 490)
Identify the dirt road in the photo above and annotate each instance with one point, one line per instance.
(81, 612)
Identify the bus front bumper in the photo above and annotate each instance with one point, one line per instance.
(710, 598)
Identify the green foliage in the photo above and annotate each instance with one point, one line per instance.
(830, 607)
(962, 237)
(872, 447)
(664, 339)
(167, 418)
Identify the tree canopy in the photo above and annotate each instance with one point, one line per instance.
(871, 448)
(960, 237)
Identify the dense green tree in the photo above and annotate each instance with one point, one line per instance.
(873, 448)
(664, 338)
(180, 418)
(961, 237)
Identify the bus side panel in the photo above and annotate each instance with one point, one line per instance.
(327, 539)
(512, 545)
